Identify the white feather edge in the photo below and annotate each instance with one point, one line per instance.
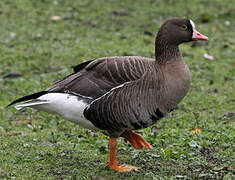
(109, 92)
(30, 104)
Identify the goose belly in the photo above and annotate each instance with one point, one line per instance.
(68, 106)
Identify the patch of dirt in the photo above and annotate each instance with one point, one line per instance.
(122, 12)
(208, 153)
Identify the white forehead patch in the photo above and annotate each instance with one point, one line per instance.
(192, 24)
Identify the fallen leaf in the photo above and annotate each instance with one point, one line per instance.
(55, 2)
(194, 144)
(211, 82)
(154, 130)
(30, 126)
(1, 128)
(220, 168)
(228, 115)
(209, 57)
(155, 155)
(181, 177)
(231, 40)
(203, 109)
(12, 35)
(213, 91)
(227, 78)
(225, 46)
(59, 144)
(227, 23)
(206, 17)
(121, 12)
(55, 18)
(148, 33)
(196, 130)
(91, 133)
(102, 149)
(2, 11)
(26, 145)
(12, 75)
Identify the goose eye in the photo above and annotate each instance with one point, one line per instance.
(184, 27)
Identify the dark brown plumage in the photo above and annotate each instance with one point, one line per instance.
(119, 94)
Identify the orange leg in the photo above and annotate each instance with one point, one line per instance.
(113, 163)
(135, 139)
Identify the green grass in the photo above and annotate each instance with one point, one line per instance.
(36, 145)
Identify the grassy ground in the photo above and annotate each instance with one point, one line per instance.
(36, 50)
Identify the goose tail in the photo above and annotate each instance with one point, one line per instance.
(31, 100)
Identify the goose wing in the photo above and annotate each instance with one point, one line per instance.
(97, 77)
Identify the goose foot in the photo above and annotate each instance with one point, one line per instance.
(135, 139)
(124, 168)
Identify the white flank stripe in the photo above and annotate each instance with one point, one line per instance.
(109, 92)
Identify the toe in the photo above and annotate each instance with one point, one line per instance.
(127, 168)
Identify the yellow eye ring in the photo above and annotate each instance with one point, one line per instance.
(184, 27)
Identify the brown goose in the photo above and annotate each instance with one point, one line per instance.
(117, 95)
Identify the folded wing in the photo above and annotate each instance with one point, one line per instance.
(133, 105)
(96, 77)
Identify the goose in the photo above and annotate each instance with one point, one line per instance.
(120, 94)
